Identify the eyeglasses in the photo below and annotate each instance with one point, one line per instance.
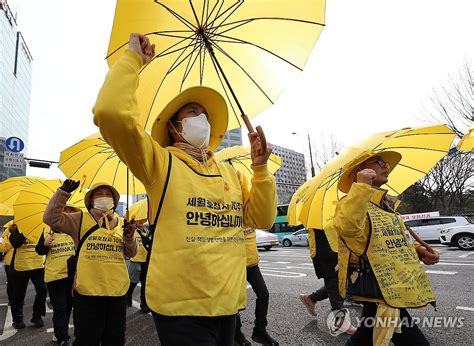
(381, 163)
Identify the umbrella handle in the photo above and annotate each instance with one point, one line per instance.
(259, 131)
(419, 240)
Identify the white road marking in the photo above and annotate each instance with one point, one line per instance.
(8, 330)
(306, 264)
(454, 264)
(284, 274)
(284, 268)
(281, 262)
(50, 330)
(440, 272)
(466, 254)
(464, 308)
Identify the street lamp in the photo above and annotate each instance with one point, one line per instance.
(310, 153)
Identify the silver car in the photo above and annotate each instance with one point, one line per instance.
(296, 238)
(266, 239)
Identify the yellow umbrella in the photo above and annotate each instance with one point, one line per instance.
(240, 158)
(92, 161)
(139, 210)
(31, 204)
(421, 148)
(467, 142)
(246, 50)
(10, 188)
(296, 204)
(5, 210)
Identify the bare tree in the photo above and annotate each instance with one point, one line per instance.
(325, 149)
(453, 103)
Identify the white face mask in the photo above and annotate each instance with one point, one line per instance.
(104, 203)
(196, 131)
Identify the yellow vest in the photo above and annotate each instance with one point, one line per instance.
(61, 249)
(251, 247)
(25, 257)
(101, 267)
(312, 242)
(197, 258)
(331, 237)
(394, 261)
(7, 248)
(141, 251)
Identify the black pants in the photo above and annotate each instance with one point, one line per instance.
(134, 284)
(410, 336)
(195, 331)
(60, 292)
(255, 279)
(99, 320)
(9, 284)
(19, 282)
(329, 290)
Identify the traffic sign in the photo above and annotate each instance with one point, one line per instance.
(14, 144)
(13, 160)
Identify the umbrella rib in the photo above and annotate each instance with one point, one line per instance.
(202, 61)
(194, 12)
(243, 70)
(177, 16)
(98, 169)
(205, 5)
(238, 3)
(249, 20)
(161, 84)
(27, 217)
(229, 100)
(414, 148)
(209, 14)
(188, 68)
(260, 47)
(116, 170)
(217, 13)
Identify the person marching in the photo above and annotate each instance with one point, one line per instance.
(58, 248)
(26, 265)
(101, 279)
(7, 249)
(195, 283)
(323, 252)
(137, 269)
(379, 263)
(255, 279)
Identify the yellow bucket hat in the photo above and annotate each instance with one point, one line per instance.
(345, 181)
(87, 197)
(210, 99)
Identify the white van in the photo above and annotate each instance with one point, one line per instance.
(429, 229)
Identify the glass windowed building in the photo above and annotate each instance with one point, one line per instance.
(15, 85)
(231, 138)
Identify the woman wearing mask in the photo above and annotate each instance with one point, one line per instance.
(102, 241)
(58, 248)
(197, 207)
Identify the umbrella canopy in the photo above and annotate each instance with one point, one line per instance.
(296, 204)
(240, 158)
(10, 188)
(139, 210)
(31, 204)
(93, 161)
(5, 210)
(467, 142)
(253, 46)
(420, 149)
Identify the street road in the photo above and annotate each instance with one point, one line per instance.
(288, 272)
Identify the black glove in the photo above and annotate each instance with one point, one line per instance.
(70, 185)
(16, 238)
(129, 228)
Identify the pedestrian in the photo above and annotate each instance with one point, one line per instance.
(58, 248)
(324, 257)
(102, 241)
(195, 283)
(26, 265)
(7, 249)
(255, 279)
(137, 268)
(379, 263)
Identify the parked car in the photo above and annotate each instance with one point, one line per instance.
(429, 229)
(266, 239)
(296, 238)
(460, 236)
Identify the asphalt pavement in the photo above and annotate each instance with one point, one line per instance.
(289, 272)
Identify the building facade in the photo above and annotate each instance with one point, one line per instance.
(231, 139)
(15, 85)
(291, 175)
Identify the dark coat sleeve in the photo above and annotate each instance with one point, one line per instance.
(16, 238)
(40, 248)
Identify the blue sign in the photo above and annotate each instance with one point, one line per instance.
(14, 144)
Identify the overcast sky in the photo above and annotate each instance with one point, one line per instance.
(372, 69)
